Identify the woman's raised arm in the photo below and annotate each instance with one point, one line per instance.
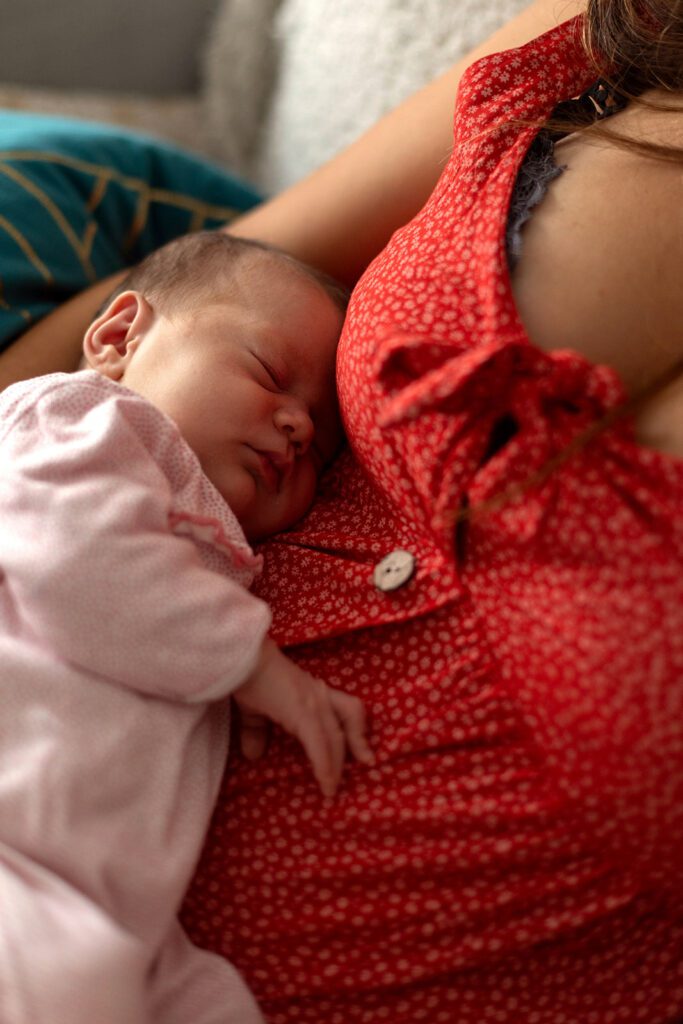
(339, 217)
(342, 215)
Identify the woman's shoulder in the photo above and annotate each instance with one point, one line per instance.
(602, 258)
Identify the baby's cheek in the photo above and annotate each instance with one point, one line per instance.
(309, 485)
(303, 491)
(239, 489)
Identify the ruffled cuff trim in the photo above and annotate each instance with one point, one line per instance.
(210, 531)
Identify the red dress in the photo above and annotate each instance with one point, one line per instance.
(514, 856)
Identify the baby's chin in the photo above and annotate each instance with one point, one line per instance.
(261, 531)
(260, 527)
(261, 514)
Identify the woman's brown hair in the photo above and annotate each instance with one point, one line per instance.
(641, 39)
(635, 46)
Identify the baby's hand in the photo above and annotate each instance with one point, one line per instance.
(324, 720)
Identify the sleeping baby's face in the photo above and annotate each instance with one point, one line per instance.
(250, 383)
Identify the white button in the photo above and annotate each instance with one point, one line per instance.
(394, 570)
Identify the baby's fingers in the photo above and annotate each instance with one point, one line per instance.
(322, 738)
(253, 735)
(350, 713)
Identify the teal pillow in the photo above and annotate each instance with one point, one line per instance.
(79, 201)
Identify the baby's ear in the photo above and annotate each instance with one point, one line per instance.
(114, 336)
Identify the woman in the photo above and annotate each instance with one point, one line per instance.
(494, 567)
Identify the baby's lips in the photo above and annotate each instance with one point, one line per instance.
(279, 466)
(268, 472)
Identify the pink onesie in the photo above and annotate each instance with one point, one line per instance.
(124, 621)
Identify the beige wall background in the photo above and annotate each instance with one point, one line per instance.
(148, 46)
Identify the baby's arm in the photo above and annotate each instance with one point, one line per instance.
(324, 720)
(96, 573)
(93, 567)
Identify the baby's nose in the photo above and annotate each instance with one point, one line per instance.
(293, 419)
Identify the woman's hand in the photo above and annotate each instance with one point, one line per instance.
(324, 720)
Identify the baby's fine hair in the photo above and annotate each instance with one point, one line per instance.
(193, 270)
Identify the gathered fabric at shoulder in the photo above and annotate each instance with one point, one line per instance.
(457, 395)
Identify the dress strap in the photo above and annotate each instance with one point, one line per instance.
(602, 100)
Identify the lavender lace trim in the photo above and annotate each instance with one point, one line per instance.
(539, 169)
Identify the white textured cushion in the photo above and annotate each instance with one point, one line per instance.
(341, 64)
(239, 70)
